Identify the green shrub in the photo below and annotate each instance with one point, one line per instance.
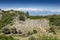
(27, 14)
(6, 19)
(52, 30)
(13, 30)
(6, 31)
(19, 32)
(2, 37)
(45, 37)
(22, 18)
(34, 31)
(52, 19)
(32, 38)
(30, 33)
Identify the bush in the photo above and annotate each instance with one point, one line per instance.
(6, 19)
(32, 38)
(30, 33)
(2, 37)
(52, 29)
(19, 32)
(13, 30)
(46, 37)
(43, 37)
(34, 31)
(27, 14)
(6, 31)
(22, 18)
(52, 19)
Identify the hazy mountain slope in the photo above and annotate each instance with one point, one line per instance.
(42, 13)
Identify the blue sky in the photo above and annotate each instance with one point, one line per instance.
(50, 5)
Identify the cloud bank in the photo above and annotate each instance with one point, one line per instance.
(32, 9)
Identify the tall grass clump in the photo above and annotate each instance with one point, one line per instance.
(43, 37)
(48, 37)
(2, 37)
(32, 38)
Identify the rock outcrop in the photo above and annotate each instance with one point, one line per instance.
(42, 25)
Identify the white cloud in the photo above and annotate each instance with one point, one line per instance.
(25, 9)
(33, 9)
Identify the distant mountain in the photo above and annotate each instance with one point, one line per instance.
(37, 11)
(34, 13)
